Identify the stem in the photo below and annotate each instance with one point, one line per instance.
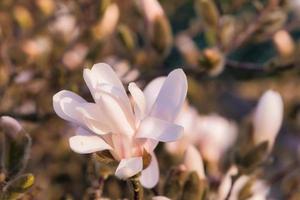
(137, 187)
(234, 178)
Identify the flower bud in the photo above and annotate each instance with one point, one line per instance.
(212, 61)
(108, 22)
(193, 188)
(23, 17)
(267, 118)
(284, 44)
(188, 49)
(227, 30)
(10, 126)
(193, 161)
(208, 12)
(127, 37)
(160, 32)
(46, 6)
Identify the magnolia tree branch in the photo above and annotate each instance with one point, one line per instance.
(137, 187)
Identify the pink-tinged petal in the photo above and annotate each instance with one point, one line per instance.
(150, 144)
(118, 119)
(139, 100)
(119, 95)
(122, 145)
(129, 167)
(193, 161)
(171, 96)
(159, 130)
(64, 104)
(85, 143)
(150, 175)
(94, 118)
(151, 91)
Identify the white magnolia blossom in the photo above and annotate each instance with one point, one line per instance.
(213, 134)
(217, 135)
(193, 161)
(267, 118)
(126, 130)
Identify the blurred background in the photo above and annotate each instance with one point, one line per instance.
(231, 50)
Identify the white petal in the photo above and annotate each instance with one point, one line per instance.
(102, 73)
(267, 118)
(171, 96)
(151, 91)
(139, 100)
(129, 167)
(193, 161)
(93, 117)
(150, 175)
(64, 104)
(118, 94)
(119, 121)
(85, 143)
(159, 130)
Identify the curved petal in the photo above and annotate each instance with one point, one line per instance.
(171, 96)
(139, 100)
(118, 119)
(150, 175)
(159, 130)
(64, 104)
(101, 73)
(118, 94)
(94, 118)
(85, 142)
(151, 91)
(129, 167)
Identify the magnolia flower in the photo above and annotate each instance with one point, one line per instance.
(187, 118)
(193, 161)
(267, 118)
(217, 135)
(126, 130)
(212, 134)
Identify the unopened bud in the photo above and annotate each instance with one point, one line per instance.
(127, 37)
(208, 12)
(161, 35)
(193, 161)
(193, 188)
(23, 17)
(267, 118)
(10, 126)
(227, 30)
(107, 23)
(284, 44)
(46, 6)
(188, 49)
(213, 61)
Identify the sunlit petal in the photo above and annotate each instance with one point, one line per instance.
(129, 167)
